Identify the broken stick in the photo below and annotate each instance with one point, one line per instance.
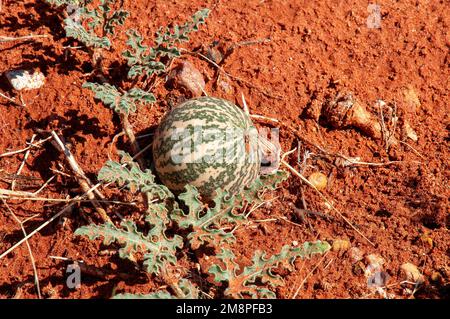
(82, 179)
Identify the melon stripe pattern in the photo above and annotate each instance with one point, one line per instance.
(209, 143)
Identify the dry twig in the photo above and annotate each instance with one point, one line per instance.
(36, 276)
(25, 158)
(84, 182)
(30, 145)
(293, 170)
(307, 276)
(22, 38)
(43, 225)
(11, 100)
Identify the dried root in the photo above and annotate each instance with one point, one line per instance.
(345, 111)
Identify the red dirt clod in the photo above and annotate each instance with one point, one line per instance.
(188, 77)
(345, 111)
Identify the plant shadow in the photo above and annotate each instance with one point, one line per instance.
(40, 15)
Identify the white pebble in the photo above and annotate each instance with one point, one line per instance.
(188, 77)
(412, 273)
(25, 80)
(356, 254)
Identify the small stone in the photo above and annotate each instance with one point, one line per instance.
(411, 273)
(295, 243)
(375, 260)
(340, 245)
(378, 279)
(25, 79)
(225, 85)
(427, 240)
(436, 277)
(411, 98)
(314, 110)
(188, 77)
(270, 156)
(356, 254)
(319, 180)
(410, 133)
(358, 268)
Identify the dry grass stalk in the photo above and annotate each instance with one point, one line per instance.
(31, 145)
(66, 200)
(80, 176)
(25, 158)
(45, 224)
(22, 38)
(36, 276)
(11, 100)
(6, 193)
(304, 179)
(308, 275)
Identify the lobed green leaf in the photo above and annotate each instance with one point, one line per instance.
(144, 60)
(85, 22)
(123, 103)
(66, 2)
(117, 18)
(207, 225)
(242, 283)
(134, 179)
(188, 289)
(76, 30)
(159, 250)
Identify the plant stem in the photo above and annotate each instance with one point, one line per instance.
(166, 276)
(135, 148)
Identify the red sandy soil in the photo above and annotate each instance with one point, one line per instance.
(316, 49)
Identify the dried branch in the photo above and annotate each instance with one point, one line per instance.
(293, 170)
(45, 224)
(33, 263)
(11, 100)
(31, 145)
(25, 37)
(25, 158)
(84, 182)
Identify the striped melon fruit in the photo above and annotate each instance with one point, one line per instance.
(209, 143)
